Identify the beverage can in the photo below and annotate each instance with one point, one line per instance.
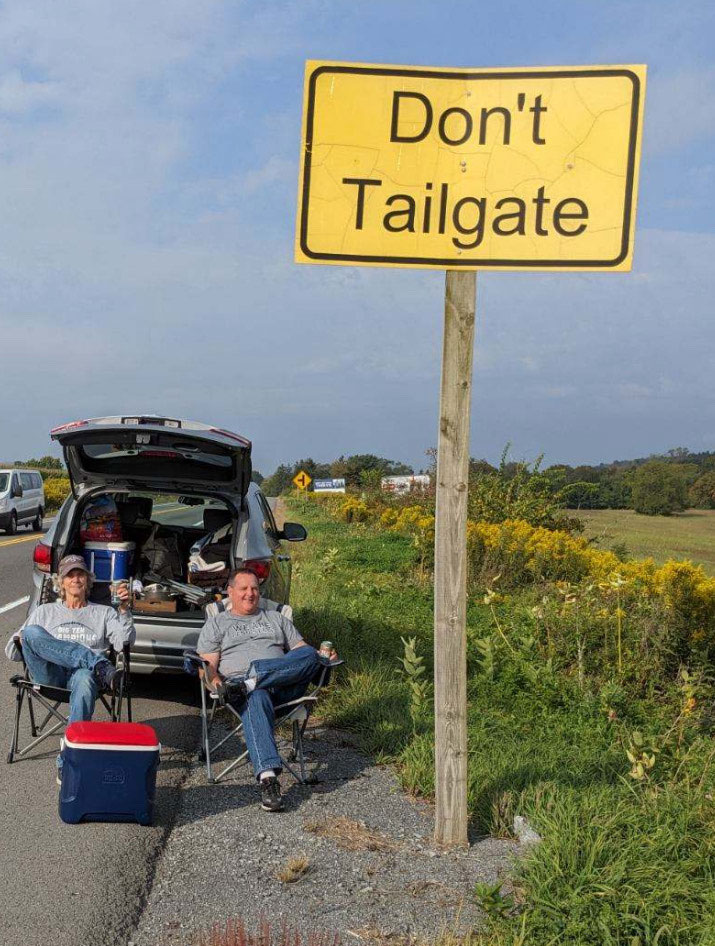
(114, 591)
(326, 648)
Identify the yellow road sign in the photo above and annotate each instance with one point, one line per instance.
(456, 168)
(302, 480)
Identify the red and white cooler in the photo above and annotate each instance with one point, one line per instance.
(108, 772)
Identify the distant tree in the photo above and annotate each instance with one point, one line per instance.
(278, 482)
(659, 489)
(350, 468)
(581, 495)
(702, 492)
(257, 477)
(480, 467)
(678, 453)
(43, 463)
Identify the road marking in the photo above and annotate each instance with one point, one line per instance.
(14, 604)
(23, 538)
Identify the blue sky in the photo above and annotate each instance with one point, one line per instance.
(148, 169)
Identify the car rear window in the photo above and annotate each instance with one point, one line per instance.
(164, 459)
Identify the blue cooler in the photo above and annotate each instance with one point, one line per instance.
(108, 772)
(110, 561)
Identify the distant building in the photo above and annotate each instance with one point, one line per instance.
(416, 483)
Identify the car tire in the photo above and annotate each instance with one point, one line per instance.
(12, 524)
(37, 521)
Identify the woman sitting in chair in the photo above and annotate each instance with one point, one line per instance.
(64, 643)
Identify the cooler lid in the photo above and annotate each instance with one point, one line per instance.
(103, 735)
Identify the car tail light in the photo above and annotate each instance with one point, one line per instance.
(70, 426)
(259, 566)
(42, 557)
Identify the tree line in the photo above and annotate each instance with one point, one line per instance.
(661, 484)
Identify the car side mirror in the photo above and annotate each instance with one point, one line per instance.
(17, 491)
(293, 532)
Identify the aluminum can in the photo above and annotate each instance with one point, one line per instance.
(326, 648)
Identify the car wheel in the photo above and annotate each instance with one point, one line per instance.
(37, 521)
(12, 525)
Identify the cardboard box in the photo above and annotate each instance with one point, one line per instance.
(153, 607)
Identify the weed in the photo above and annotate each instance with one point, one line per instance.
(234, 933)
(490, 898)
(293, 869)
(351, 835)
(413, 667)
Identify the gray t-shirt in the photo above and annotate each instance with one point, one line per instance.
(243, 638)
(95, 625)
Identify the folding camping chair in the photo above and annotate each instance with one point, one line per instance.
(296, 712)
(50, 698)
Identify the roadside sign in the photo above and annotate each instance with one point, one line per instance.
(462, 170)
(530, 169)
(302, 480)
(329, 486)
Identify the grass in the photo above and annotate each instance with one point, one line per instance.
(624, 861)
(689, 535)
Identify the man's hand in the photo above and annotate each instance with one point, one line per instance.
(122, 593)
(215, 680)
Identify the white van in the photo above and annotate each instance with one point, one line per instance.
(22, 500)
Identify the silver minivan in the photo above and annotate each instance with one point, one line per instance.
(182, 493)
(22, 500)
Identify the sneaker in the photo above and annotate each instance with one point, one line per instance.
(271, 798)
(107, 676)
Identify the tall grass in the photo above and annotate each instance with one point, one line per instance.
(628, 853)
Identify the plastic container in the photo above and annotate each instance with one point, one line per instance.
(110, 561)
(108, 772)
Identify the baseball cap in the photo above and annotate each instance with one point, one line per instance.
(72, 561)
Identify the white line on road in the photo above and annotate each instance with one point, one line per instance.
(14, 604)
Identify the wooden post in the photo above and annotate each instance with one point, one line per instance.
(450, 570)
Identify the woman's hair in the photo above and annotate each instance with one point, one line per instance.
(59, 590)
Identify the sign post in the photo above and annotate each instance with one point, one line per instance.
(450, 561)
(462, 169)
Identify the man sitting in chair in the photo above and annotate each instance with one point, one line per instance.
(63, 642)
(257, 660)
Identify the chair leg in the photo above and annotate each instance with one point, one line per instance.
(33, 722)
(205, 731)
(298, 747)
(16, 728)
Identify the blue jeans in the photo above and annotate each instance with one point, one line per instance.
(278, 680)
(62, 664)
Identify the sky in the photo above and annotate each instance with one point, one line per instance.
(149, 154)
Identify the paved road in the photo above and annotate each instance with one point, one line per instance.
(70, 885)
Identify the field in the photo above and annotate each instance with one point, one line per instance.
(690, 535)
(613, 766)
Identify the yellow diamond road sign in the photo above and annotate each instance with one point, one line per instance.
(456, 168)
(302, 480)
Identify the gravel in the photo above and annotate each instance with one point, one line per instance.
(224, 854)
